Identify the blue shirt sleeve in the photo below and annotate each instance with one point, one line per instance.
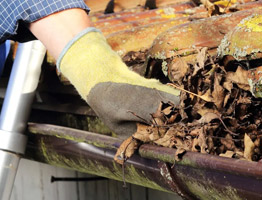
(14, 11)
(4, 50)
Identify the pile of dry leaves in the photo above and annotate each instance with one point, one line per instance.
(217, 114)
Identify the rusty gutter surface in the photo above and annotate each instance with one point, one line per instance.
(196, 176)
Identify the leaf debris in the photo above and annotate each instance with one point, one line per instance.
(217, 114)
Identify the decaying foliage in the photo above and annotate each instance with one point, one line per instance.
(217, 114)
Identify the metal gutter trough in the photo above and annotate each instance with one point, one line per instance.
(196, 176)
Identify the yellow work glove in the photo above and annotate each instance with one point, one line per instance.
(108, 86)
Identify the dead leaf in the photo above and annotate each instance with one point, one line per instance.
(202, 142)
(158, 122)
(179, 154)
(159, 113)
(173, 117)
(143, 132)
(257, 142)
(183, 114)
(178, 142)
(199, 144)
(177, 70)
(244, 100)
(221, 149)
(211, 8)
(218, 93)
(203, 111)
(239, 155)
(162, 131)
(180, 132)
(239, 77)
(155, 134)
(207, 118)
(168, 110)
(228, 142)
(228, 85)
(188, 144)
(249, 147)
(195, 146)
(126, 150)
(167, 140)
(227, 97)
(207, 96)
(210, 144)
(201, 59)
(228, 154)
(195, 132)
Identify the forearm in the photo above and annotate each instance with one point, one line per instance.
(56, 30)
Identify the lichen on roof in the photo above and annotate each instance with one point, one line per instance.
(252, 23)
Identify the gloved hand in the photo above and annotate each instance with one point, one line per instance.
(108, 86)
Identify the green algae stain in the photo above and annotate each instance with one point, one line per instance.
(162, 157)
(167, 158)
(110, 170)
(69, 137)
(97, 126)
(135, 177)
(52, 160)
(206, 190)
(187, 162)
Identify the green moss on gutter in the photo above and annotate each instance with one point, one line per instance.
(152, 155)
(68, 137)
(114, 171)
(97, 126)
(187, 162)
(165, 157)
(101, 145)
(77, 139)
(207, 190)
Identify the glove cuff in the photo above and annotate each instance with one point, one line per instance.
(71, 42)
